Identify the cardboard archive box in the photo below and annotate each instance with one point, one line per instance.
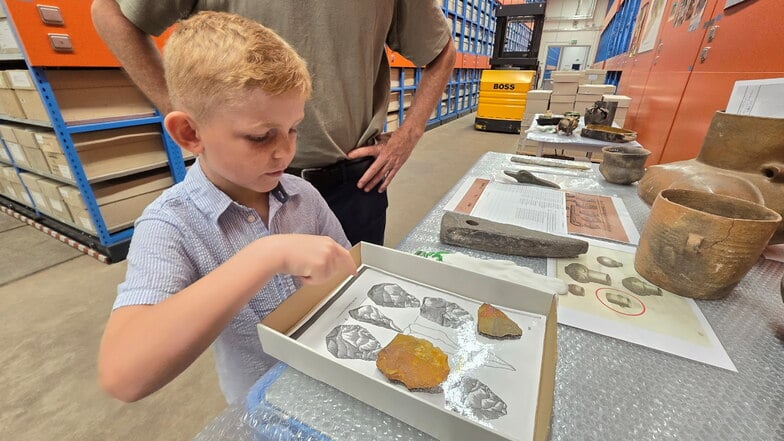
(83, 96)
(394, 101)
(595, 76)
(16, 190)
(303, 310)
(26, 137)
(537, 101)
(120, 201)
(623, 107)
(9, 103)
(14, 149)
(566, 76)
(392, 121)
(107, 154)
(50, 190)
(596, 89)
(561, 108)
(5, 186)
(30, 180)
(8, 43)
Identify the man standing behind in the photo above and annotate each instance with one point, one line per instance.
(341, 150)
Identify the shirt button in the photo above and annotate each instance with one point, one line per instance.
(251, 218)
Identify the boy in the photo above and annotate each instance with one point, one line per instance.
(217, 252)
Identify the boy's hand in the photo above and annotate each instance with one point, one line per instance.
(314, 258)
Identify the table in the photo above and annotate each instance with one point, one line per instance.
(608, 389)
(571, 142)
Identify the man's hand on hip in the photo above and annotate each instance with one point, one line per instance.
(391, 152)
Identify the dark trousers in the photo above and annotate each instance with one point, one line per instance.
(362, 215)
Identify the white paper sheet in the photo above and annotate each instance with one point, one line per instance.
(532, 207)
(529, 206)
(509, 368)
(666, 322)
(758, 98)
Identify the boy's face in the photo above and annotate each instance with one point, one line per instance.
(247, 145)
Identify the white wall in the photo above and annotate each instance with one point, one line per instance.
(563, 23)
(573, 55)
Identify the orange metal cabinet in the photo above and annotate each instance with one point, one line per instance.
(673, 60)
(633, 82)
(744, 46)
(46, 45)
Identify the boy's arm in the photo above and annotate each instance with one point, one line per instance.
(134, 49)
(144, 347)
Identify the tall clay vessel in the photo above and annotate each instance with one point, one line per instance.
(699, 244)
(742, 156)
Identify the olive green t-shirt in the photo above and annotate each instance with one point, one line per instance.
(343, 43)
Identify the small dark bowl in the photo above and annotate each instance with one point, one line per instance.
(549, 120)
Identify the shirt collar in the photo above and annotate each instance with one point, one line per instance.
(213, 202)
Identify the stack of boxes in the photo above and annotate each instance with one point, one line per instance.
(588, 94)
(536, 101)
(623, 107)
(594, 76)
(565, 84)
(82, 95)
(119, 158)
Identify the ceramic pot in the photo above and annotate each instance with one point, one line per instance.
(623, 165)
(742, 156)
(699, 244)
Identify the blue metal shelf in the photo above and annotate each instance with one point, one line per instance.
(114, 244)
(473, 30)
(617, 36)
(94, 127)
(108, 240)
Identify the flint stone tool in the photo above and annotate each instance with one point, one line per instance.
(526, 177)
(484, 235)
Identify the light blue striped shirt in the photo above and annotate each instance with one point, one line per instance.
(191, 229)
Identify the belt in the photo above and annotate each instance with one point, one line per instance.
(349, 170)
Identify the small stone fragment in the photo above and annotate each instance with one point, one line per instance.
(495, 324)
(415, 362)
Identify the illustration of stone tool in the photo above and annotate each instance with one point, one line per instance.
(640, 287)
(582, 274)
(577, 290)
(608, 262)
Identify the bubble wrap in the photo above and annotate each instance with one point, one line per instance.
(605, 389)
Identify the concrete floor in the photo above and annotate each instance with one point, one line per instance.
(55, 301)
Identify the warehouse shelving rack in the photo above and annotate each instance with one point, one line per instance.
(472, 23)
(112, 244)
(105, 245)
(617, 34)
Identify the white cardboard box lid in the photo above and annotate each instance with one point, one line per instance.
(385, 396)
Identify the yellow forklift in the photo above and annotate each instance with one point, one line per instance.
(514, 67)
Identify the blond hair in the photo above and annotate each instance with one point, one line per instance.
(214, 58)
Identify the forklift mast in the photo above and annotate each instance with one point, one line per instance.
(523, 54)
(514, 67)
